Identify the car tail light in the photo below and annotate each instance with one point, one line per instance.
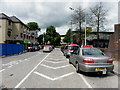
(88, 61)
(110, 61)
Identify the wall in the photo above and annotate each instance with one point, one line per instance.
(114, 44)
(10, 49)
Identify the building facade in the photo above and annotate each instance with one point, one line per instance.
(114, 44)
(13, 31)
(92, 39)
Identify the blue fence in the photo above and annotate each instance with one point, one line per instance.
(10, 49)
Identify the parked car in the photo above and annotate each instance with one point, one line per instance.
(30, 48)
(47, 48)
(62, 47)
(89, 59)
(36, 48)
(69, 49)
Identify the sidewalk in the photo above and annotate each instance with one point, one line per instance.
(116, 66)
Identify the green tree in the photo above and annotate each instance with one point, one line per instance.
(40, 39)
(33, 26)
(57, 39)
(52, 36)
(67, 37)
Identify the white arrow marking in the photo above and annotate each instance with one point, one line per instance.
(30, 72)
(2, 70)
(54, 62)
(56, 59)
(47, 77)
(54, 67)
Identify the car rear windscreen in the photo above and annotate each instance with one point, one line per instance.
(91, 51)
(73, 47)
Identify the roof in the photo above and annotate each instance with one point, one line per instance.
(3, 16)
(12, 18)
(73, 44)
(15, 19)
(95, 32)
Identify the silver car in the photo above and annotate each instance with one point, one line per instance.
(91, 60)
(47, 48)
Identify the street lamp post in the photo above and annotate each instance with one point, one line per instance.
(71, 36)
(85, 29)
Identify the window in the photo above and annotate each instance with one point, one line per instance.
(9, 32)
(21, 35)
(73, 47)
(66, 47)
(9, 22)
(91, 51)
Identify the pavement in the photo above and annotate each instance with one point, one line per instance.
(116, 67)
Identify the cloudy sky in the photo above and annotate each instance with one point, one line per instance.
(54, 12)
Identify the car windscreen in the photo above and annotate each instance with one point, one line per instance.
(73, 47)
(91, 51)
(46, 47)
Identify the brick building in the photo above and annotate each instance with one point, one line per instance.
(114, 44)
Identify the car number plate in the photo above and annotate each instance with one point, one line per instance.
(101, 69)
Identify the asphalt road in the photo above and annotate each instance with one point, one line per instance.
(48, 70)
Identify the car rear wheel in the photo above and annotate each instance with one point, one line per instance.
(69, 61)
(67, 56)
(77, 68)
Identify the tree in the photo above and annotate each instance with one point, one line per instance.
(98, 18)
(78, 18)
(57, 39)
(52, 36)
(76, 35)
(40, 39)
(67, 37)
(33, 26)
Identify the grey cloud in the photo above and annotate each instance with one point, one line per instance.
(45, 13)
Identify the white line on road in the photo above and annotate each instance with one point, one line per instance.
(47, 77)
(54, 62)
(10, 66)
(54, 67)
(2, 70)
(30, 72)
(89, 86)
(56, 59)
(85, 81)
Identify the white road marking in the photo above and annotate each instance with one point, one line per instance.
(89, 86)
(2, 70)
(10, 66)
(54, 67)
(67, 59)
(30, 72)
(17, 62)
(54, 61)
(85, 81)
(26, 59)
(47, 77)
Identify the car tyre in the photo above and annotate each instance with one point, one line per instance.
(77, 68)
(69, 61)
(67, 56)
